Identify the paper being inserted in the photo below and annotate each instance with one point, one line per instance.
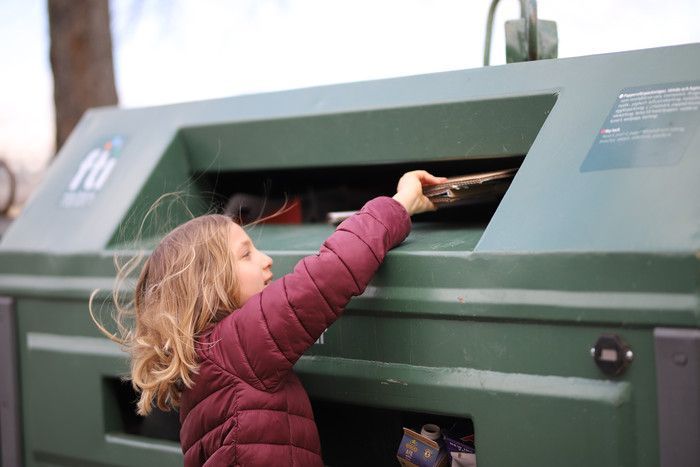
(465, 189)
(470, 189)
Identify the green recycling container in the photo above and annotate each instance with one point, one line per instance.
(560, 322)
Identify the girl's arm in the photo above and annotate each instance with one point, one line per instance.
(264, 339)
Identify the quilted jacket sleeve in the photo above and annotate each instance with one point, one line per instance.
(263, 340)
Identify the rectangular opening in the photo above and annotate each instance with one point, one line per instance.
(120, 414)
(353, 435)
(350, 434)
(312, 193)
(336, 162)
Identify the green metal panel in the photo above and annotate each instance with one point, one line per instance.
(370, 137)
(489, 319)
(67, 420)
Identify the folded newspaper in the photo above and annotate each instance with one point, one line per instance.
(466, 189)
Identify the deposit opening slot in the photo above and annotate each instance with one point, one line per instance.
(315, 192)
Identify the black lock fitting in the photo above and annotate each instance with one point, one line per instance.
(612, 354)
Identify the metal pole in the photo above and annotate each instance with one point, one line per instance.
(528, 11)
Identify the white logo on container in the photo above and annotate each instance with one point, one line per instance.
(92, 174)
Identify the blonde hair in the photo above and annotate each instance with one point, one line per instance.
(185, 286)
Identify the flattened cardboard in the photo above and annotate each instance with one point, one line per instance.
(470, 189)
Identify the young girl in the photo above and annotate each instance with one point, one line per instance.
(216, 337)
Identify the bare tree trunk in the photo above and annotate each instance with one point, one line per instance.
(81, 60)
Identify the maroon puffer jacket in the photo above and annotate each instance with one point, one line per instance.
(247, 407)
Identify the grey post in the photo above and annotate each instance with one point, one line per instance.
(678, 395)
(10, 434)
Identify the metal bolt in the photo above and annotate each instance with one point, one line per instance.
(592, 351)
(680, 359)
(629, 355)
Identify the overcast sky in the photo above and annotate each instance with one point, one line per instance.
(175, 50)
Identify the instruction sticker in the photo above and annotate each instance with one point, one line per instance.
(647, 126)
(92, 174)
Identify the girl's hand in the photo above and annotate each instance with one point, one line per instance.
(409, 191)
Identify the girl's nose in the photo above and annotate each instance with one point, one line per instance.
(267, 261)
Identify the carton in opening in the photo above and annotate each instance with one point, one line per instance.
(416, 450)
(461, 451)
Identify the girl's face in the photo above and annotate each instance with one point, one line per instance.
(253, 267)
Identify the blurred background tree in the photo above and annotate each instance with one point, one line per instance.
(81, 60)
